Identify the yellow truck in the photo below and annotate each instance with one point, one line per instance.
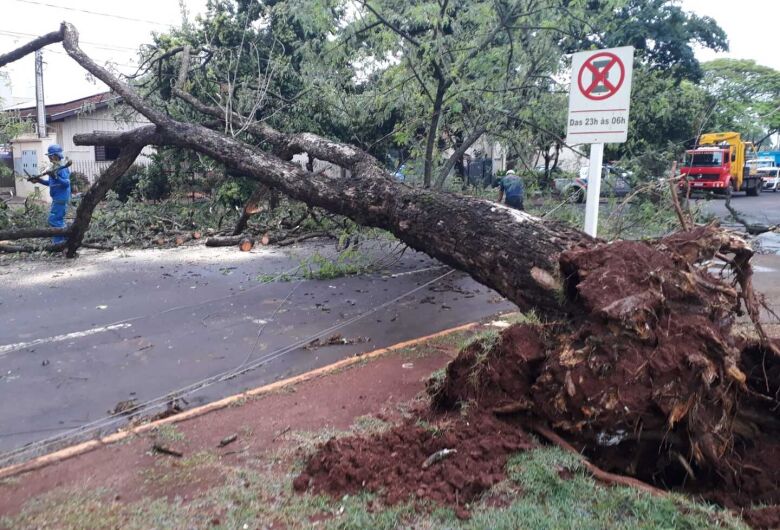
(719, 164)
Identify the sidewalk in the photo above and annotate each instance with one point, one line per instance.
(262, 421)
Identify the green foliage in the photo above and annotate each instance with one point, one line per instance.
(665, 115)
(34, 213)
(139, 223)
(746, 96)
(126, 185)
(153, 183)
(662, 32)
(348, 262)
(235, 193)
(79, 182)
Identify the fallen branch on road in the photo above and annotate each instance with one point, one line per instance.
(753, 229)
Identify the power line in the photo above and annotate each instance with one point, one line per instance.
(105, 59)
(111, 47)
(87, 11)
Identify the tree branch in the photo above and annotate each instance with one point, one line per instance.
(25, 233)
(32, 46)
(395, 29)
(457, 155)
(127, 155)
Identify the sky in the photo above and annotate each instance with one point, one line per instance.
(750, 25)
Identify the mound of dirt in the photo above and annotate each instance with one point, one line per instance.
(646, 376)
(450, 466)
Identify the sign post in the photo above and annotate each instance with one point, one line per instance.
(599, 102)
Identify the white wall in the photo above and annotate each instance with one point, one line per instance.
(40, 145)
(83, 156)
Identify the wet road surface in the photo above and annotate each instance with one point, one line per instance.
(79, 337)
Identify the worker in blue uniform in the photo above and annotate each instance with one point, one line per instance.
(511, 186)
(59, 190)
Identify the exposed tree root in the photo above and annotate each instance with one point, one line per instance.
(644, 373)
(599, 474)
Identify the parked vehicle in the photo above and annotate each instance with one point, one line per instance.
(770, 177)
(774, 156)
(615, 182)
(719, 164)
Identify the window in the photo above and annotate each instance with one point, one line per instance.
(714, 158)
(105, 153)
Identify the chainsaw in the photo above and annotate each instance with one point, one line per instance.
(48, 173)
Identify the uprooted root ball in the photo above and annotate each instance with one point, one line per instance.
(646, 375)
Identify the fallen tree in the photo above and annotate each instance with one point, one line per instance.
(643, 321)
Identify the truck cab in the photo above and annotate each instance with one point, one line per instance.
(720, 165)
(708, 169)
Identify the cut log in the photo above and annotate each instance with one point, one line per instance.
(252, 207)
(24, 233)
(224, 241)
(246, 244)
(182, 238)
(11, 249)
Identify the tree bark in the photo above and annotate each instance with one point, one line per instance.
(251, 207)
(433, 129)
(230, 241)
(457, 156)
(24, 233)
(97, 193)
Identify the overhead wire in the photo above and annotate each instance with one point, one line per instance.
(111, 47)
(97, 13)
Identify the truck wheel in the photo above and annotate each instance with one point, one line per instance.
(754, 190)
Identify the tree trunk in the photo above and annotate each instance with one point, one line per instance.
(24, 233)
(433, 129)
(127, 155)
(457, 156)
(251, 208)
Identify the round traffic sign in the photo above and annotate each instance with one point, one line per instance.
(607, 74)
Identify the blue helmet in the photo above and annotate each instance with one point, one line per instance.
(55, 149)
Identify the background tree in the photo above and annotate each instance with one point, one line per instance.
(746, 97)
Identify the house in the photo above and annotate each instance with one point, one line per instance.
(101, 112)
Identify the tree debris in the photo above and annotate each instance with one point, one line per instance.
(335, 340)
(158, 448)
(228, 440)
(438, 456)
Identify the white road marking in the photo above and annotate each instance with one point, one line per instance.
(426, 269)
(8, 348)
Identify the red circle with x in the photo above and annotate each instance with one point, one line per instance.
(600, 74)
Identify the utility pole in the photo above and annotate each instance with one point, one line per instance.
(41, 107)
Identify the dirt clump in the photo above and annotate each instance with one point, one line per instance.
(763, 518)
(401, 463)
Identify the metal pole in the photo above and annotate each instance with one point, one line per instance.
(41, 107)
(594, 189)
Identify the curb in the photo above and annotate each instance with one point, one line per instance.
(85, 447)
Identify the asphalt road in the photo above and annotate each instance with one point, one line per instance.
(762, 209)
(79, 337)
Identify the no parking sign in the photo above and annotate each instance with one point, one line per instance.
(599, 100)
(600, 96)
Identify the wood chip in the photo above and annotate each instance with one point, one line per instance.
(438, 456)
(157, 448)
(228, 440)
